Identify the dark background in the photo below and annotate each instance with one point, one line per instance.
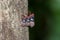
(39, 31)
(47, 19)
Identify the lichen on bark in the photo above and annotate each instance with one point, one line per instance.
(10, 18)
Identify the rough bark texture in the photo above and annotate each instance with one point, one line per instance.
(10, 18)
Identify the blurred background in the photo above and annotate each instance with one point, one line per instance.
(39, 31)
(47, 19)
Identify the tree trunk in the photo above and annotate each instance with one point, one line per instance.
(10, 19)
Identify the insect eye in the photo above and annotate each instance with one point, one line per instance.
(32, 19)
(23, 20)
(27, 20)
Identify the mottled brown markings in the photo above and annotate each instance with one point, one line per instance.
(12, 19)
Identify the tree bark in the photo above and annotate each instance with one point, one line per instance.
(10, 19)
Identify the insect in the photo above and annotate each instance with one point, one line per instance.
(28, 20)
(31, 18)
